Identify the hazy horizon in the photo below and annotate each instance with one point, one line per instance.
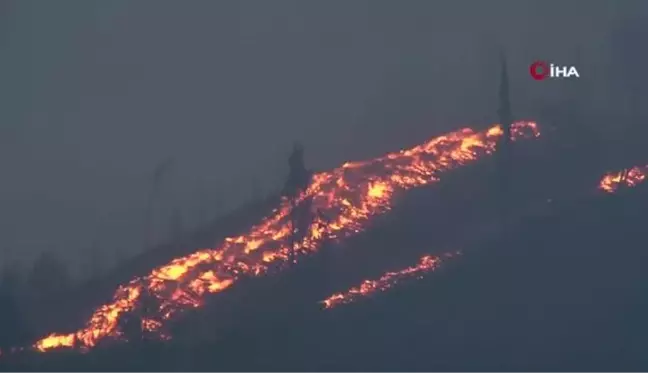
(96, 94)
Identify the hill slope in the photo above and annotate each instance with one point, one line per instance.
(564, 291)
(567, 291)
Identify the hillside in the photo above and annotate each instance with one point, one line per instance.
(79, 302)
(558, 293)
(564, 292)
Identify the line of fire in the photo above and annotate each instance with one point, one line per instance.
(319, 211)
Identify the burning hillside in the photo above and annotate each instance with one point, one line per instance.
(347, 196)
(628, 177)
(609, 183)
(426, 264)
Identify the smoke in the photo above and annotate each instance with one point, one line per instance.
(95, 93)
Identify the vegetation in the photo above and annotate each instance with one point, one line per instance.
(563, 289)
(517, 302)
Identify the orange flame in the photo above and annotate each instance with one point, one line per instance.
(387, 281)
(348, 196)
(629, 177)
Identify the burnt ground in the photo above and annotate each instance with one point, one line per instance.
(563, 287)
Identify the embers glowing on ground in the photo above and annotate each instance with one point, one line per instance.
(347, 196)
(426, 264)
(628, 177)
(610, 183)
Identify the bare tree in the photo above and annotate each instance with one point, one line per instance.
(162, 169)
(505, 144)
(136, 324)
(299, 179)
(629, 59)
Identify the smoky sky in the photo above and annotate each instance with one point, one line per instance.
(95, 94)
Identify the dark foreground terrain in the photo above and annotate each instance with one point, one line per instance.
(562, 286)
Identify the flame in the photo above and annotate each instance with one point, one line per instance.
(629, 177)
(427, 263)
(610, 182)
(347, 196)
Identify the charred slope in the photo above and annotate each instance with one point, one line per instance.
(347, 199)
(76, 305)
(565, 291)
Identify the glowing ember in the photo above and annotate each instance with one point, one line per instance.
(387, 281)
(629, 177)
(348, 196)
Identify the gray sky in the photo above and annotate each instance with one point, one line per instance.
(95, 93)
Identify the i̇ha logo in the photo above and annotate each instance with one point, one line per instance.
(541, 70)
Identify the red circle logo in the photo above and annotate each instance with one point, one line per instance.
(539, 70)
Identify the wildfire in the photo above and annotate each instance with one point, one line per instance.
(387, 281)
(609, 183)
(629, 177)
(347, 196)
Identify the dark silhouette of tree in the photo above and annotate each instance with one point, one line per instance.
(49, 275)
(629, 59)
(298, 176)
(299, 179)
(13, 326)
(505, 144)
(133, 324)
(161, 170)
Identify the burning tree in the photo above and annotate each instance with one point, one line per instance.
(345, 194)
